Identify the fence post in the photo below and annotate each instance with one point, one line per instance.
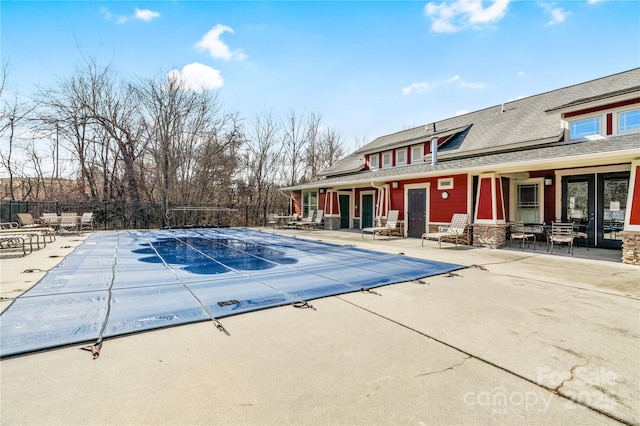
(105, 215)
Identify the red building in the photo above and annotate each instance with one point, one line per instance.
(570, 155)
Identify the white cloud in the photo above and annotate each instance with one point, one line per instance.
(146, 14)
(142, 15)
(594, 1)
(468, 85)
(557, 14)
(521, 74)
(198, 77)
(105, 12)
(416, 87)
(453, 79)
(448, 17)
(216, 47)
(424, 86)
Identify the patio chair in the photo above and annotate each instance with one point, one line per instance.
(584, 235)
(69, 222)
(318, 222)
(293, 221)
(305, 220)
(86, 221)
(271, 220)
(561, 233)
(456, 232)
(389, 227)
(27, 221)
(392, 225)
(28, 225)
(518, 233)
(50, 219)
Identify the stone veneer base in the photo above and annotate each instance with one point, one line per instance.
(492, 236)
(631, 247)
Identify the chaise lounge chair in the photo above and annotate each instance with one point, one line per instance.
(456, 232)
(390, 226)
(318, 222)
(305, 220)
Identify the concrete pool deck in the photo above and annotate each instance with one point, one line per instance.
(515, 338)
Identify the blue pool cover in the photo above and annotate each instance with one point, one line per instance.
(123, 282)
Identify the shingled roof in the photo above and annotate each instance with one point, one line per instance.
(526, 122)
(507, 161)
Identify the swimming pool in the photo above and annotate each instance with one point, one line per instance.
(124, 282)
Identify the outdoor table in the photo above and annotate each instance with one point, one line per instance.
(540, 230)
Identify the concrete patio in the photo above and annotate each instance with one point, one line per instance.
(518, 337)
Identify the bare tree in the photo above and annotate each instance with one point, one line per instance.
(13, 114)
(300, 130)
(111, 104)
(264, 162)
(329, 149)
(218, 161)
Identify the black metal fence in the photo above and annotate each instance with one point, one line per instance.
(116, 215)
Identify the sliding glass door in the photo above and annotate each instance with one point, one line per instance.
(612, 205)
(596, 204)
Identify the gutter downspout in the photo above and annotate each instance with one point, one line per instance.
(380, 197)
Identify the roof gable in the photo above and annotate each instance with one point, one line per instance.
(530, 121)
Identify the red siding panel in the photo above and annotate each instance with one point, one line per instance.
(441, 210)
(609, 124)
(485, 203)
(635, 201)
(396, 199)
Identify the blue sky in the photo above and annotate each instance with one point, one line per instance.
(369, 68)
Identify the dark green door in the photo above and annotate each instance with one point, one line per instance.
(344, 211)
(366, 212)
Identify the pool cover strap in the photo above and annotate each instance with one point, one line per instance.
(94, 349)
(303, 305)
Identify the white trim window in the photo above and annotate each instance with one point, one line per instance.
(309, 202)
(585, 127)
(529, 200)
(387, 159)
(401, 156)
(374, 161)
(417, 154)
(629, 121)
